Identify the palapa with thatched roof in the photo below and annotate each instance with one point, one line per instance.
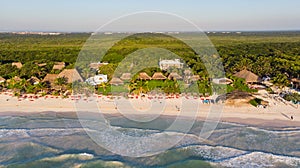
(296, 83)
(222, 81)
(187, 72)
(158, 76)
(195, 78)
(144, 76)
(295, 80)
(126, 76)
(236, 98)
(59, 65)
(97, 65)
(174, 75)
(2, 79)
(71, 75)
(34, 80)
(42, 64)
(17, 79)
(50, 78)
(17, 64)
(248, 76)
(116, 81)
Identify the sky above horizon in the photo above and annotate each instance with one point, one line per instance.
(89, 15)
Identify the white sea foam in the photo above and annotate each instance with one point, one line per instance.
(216, 153)
(224, 156)
(260, 160)
(86, 154)
(7, 133)
(25, 133)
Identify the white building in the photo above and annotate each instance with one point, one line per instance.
(97, 80)
(166, 64)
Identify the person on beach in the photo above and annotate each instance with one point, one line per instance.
(178, 109)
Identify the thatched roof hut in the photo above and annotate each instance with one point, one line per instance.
(34, 80)
(236, 98)
(59, 65)
(17, 64)
(187, 72)
(144, 76)
(248, 76)
(126, 76)
(116, 81)
(296, 82)
(72, 75)
(174, 75)
(50, 78)
(195, 78)
(222, 81)
(95, 65)
(17, 79)
(42, 64)
(2, 79)
(158, 76)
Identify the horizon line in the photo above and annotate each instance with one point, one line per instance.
(206, 31)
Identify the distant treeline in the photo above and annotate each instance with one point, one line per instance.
(276, 54)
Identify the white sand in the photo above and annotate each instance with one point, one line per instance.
(274, 115)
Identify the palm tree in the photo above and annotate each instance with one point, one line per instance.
(61, 82)
(104, 85)
(171, 86)
(14, 85)
(204, 87)
(139, 87)
(30, 89)
(40, 87)
(85, 73)
(2, 85)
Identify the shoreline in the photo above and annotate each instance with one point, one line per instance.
(276, 116)
(249, 122)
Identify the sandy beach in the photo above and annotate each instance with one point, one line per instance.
(275, 115)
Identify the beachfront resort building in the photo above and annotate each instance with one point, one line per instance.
(144, 76)
(41, 64)
(17, 64)
(194, 78)
(222, 81)
(295, 83)
(125, 76)
(97, 65)
(17, 79)
(34, 80)
(2, 80)
(71, 75)
(59, 65)
(175, 76)
(158, 76)
(97, 80)
(50, 79)
(249, 77)
(166, 64)
(116, 81)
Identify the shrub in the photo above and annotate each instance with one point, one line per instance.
(255, 102)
